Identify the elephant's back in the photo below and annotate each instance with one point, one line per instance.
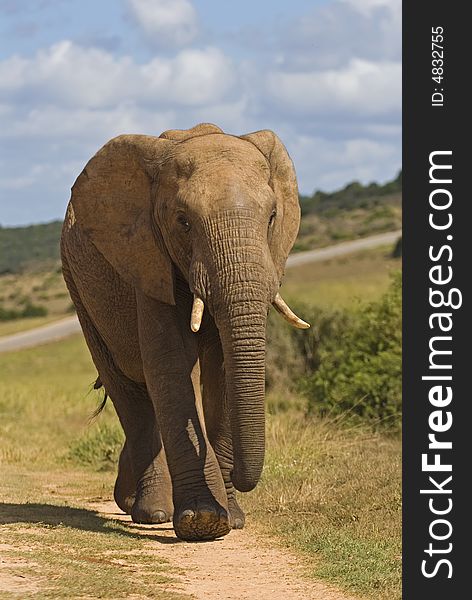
(109, 301)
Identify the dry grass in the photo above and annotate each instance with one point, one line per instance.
(60, 549)
(47, 537)
(334, 493)
(342, 281)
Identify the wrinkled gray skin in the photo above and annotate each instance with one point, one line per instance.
(153, 221)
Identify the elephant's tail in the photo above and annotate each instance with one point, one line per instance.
(96, 386)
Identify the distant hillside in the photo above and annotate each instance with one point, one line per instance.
(353, 195)
(27, 248)
(352, 212)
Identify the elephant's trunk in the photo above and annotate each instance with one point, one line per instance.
(239, 284)
(237, 281)
(243, 339)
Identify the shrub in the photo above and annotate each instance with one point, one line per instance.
(348, 362)
(294, 354)
(99, 447)
(359, 370)
(8, 314)
(33, 310)
(29, 310)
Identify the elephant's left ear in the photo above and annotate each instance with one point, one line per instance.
(284, 183)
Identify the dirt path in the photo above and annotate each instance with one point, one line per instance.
(236, 567)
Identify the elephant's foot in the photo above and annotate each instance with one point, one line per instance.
(237, 518)
(124, 498)
(152, 505)
(201, 520)
(125, 485)
(124, 503)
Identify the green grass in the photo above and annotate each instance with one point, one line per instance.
(329, 492)
(49, 389)
(99, 448)
(334, 224)
(330, 489)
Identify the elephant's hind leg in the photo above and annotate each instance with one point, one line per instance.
(143, 487)
(125, 485)
(142, 470)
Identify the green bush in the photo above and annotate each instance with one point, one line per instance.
(8, 314)
(294, 354)
(348, 363)
(353, 195)
(29, 310)
(99, 448)
(359, 370)
(34, 310)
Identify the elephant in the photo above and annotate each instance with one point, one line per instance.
(173, 249)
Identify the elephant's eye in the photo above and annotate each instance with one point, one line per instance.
(183, 222)
(272, 217)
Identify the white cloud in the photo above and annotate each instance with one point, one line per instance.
(192, 78)
(329, 83)
(62, 104)
(360, 88)
(166, 22)
(66, 74)
(328, 164)
(82, 125)
(338, 31)
(232, 117)
(69, 75)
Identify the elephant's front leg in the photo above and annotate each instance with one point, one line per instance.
(170, 358)
(216, 412)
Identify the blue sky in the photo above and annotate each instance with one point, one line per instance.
(325, 75)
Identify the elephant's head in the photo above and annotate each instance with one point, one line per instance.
(221, 210)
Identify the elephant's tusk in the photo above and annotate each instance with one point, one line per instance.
(281, 307)
(197, 314)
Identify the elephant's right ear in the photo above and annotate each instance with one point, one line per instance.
(111, 202)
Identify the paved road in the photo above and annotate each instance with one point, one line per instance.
(40, 335)
(382, 239)
(65, 327)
